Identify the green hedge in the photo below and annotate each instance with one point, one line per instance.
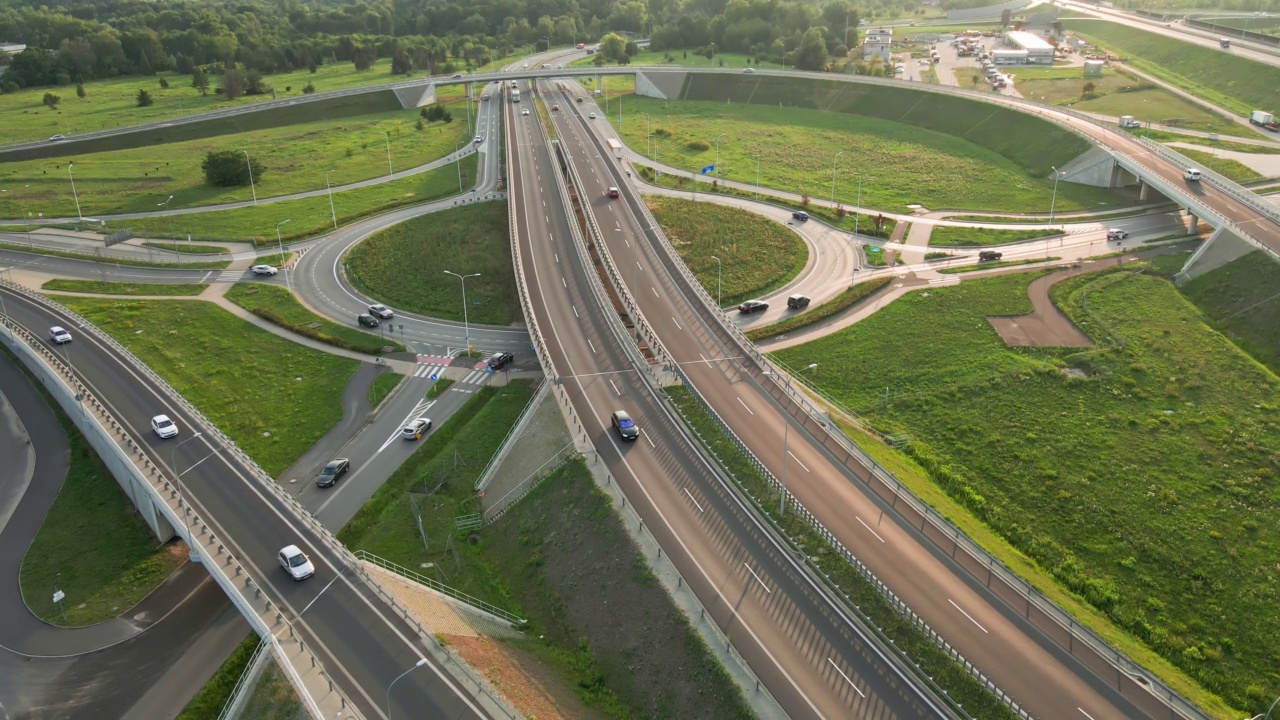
(842, 302)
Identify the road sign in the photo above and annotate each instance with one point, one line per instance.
(708, 169)
(433, 376)
(59, 596)
(475, 302)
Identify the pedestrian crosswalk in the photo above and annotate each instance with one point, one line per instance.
(429, 370)
(476, 377)
(435, 365)
(226, 276)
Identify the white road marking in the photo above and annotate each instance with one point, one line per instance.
(655, 292)
(575, 312)
(1082, 712)
(744, 405)
(757, 577)
(677, 322)
(592, 346)
(793, 457)
(615, 387)
(557, 257)
(647, 438)
(962, 612)
(695, 502)
(562, 282)
(846, 677)
(868, 527)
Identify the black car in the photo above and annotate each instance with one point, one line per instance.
(501, 360)
(332, 471)
(798, 302)
(752, 306)
(367, 320)
(800, 215)
(989, 255)
(625, 426)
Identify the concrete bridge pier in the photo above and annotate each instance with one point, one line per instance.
(417, 96)
(1222, 247)
(600, 83)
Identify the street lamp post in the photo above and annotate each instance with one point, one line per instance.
(833, 176)
(186, 505)
(457, 161)
(329, 190)
(1053, 203)
(466, 323)
(757, 176)
(420, 663)
(647, 147)
(717, 168)
(252, 188)
(388, 136)
(280, 244)
(79, 214)
(166, 212)
(719, 267)
(857, 208)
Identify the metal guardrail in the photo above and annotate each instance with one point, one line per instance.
(250, 668)
(498, 455)
(440, 587)
(524, 487)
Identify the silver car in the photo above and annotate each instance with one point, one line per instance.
(58, 335)
(264, 270)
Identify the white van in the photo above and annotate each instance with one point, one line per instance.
(1191, 174)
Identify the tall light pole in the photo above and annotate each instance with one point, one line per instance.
(388, 136)
(719, 267)
(252, 188)
(857, 212)
(833, 176)
(79, 214)
(466, 324)
(717, 168)
(166, 212)
(280, 244)
(1053, 203)
(420, 663)
(457, 161)
(786, 434)
(647, 151)
(186, 509)
(328, 189)
(757, 176)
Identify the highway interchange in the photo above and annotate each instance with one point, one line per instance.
(810, 655)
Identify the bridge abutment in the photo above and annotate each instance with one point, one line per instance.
(417, 95)
(1222, 247)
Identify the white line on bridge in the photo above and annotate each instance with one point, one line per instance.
(962, 612)
(744, 405)
(590, 345)
(647, 438)
(655, 292)
(868, 527)
(575, 312)
(793, 457)
(562, 282)
(1082, 712)
(846, 677)
(615, 387)
(757, 577)
(695, 502)
(677, 322)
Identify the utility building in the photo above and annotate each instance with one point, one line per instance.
(1037, 49)
(878, 43)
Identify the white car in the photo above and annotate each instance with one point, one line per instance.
(416, 429)
(592, 116)
(296, 563)
(381, 311)
(58, 335)
(57, 138)
(264, 270)
(479, 140)
(526, 111)
(1117, 234)
(163, 426)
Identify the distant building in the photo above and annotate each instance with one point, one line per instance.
(878, 43)
(1009, 56)
(1037, 49)
(1093, 68)
(9, 49)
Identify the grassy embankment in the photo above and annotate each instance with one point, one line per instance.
(404, 265)
(382, 387)
(114, 260)
(1231, 82)
(954, 236)
(562, 536)
(839, 303)
(1173, 445)
(123, 288)
(295, 158)
(277, 305)
(274, 398)
(905, 148)
(91, 545)
(309, 216)
(758, 255)
(208, 703)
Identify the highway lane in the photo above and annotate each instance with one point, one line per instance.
(358, 638)
(970, 618)
(806, 651)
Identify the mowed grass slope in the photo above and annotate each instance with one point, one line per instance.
(404, 265)
(294, 159)
(1148, 489)
(1231, 82)
(272, 397)
(900, 163)
(758, 255)
(1242, 300)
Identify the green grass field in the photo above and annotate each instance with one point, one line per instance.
(1234, 83)
(993, 265)
(1168, 137)
(562, 536)
(123, 288)
(294, 159)
(403, 266)
(757, 255)
(91, 545)
(1233, 169)
(187, 248)
(1167, 435)
(308, 216)
(112, 103)
(953, 236)
(208, 703)
(277, 305)
(382, 387)
(274, 398)
(1241, 300)
(900, 164)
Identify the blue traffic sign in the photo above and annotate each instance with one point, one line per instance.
(708, 169)
(433, 376)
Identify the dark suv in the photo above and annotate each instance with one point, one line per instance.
(332, 471)
(798, 302)
(625, 426)
(367, 320)
(989, 255)
(501, 360)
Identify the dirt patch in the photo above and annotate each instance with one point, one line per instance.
(1046, 325)
(523, 680)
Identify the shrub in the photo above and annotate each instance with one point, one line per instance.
(697, 146)
(144, 99)
(227, 168)
(51, 101)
